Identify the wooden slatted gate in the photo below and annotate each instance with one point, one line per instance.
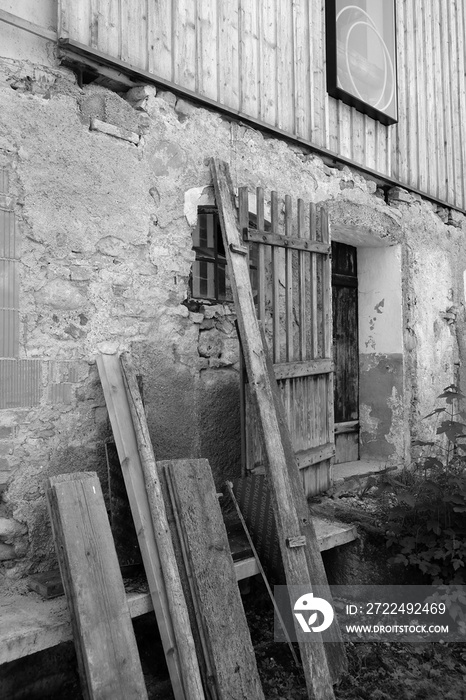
(290, 265)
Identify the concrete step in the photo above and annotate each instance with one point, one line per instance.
(360, 468)
(30, 624)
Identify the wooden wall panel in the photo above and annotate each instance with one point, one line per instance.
(160, 39)
(268, 85)
(266, 60)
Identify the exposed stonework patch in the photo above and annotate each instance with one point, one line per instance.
(61, 294)
(116, 131)
(138, 97)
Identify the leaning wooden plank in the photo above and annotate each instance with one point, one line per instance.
(223, 621)
(176, 601)
(289, 523)
(335, 650)
(125, 440)
(106, 649)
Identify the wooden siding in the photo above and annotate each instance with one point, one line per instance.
(265, 59)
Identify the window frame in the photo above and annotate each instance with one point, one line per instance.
(221, 264)
(332, 69)
(218, 261)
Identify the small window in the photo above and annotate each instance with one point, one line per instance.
(209, 278)
(361, 56)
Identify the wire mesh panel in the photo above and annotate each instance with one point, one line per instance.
(9, 277)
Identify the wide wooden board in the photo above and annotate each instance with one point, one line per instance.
(220, 614)
(106, 649)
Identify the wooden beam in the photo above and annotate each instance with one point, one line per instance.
(108, 659)
(127, 447)
(336, 655)
(287, 370)
(349, 426)
(306, 458)
(178, 610)
(221, 619)
(25, 25)
(267, 238)
(289, 521)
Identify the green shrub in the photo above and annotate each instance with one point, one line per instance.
(426, 505)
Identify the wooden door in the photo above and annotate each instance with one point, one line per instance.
(290, 263)
(345, 351)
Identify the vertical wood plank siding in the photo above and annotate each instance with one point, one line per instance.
(266, 59)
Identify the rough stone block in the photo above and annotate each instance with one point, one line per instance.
(184, 108)
(140, 92)
(227, 327)
(212, 311)
(168, 97)
(210, 343)
(456, 218)
(116, 131)
(60, 294)
(10, 529)
(443, 214)
(207, 324)
(398, 194)
(139, 96)
(7, 552)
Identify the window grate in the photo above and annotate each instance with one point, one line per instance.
(9, 279)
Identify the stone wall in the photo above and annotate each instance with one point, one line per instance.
(104, 189)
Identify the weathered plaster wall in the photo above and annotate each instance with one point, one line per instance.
(16, 43)
(381, 381)
(105, 264)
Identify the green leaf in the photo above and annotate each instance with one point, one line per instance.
(433, 526)
(408, 498)
(434, 412)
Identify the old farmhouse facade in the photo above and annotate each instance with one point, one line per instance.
(110, 239)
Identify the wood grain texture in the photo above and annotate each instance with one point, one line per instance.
(105, 645)
(225, 631)
(125, 439)
(294, 274)
(266, 59)
(288, 497)
(175, 595)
